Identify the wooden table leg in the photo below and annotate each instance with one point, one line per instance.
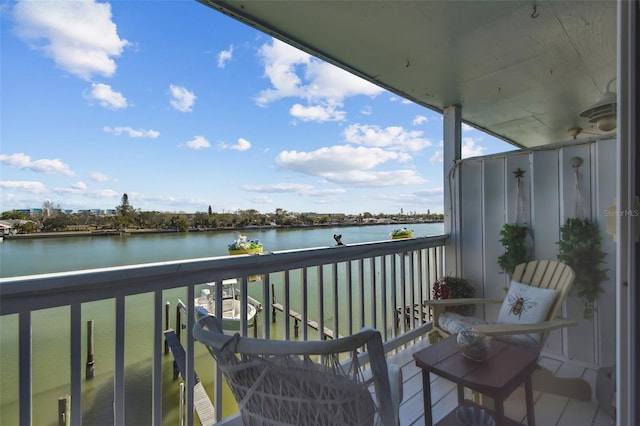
(499, 408)
(426, 394)
(528, 395)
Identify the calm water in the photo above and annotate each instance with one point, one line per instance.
(50, 362)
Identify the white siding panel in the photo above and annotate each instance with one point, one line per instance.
(580, 339)
(548, 194)
(472, 255)
(605, 189)
(545, 218)
(494, 217)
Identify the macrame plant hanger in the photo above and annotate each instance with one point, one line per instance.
(578, 205)
(519, 173)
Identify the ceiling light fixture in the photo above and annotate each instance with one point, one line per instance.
(603, 112)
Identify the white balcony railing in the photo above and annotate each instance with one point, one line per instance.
(336, 289)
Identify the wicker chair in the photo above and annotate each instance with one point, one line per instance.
(306, 382)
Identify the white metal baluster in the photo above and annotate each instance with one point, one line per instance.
(118, 379)
(349, 297)
(374, 301)
(304, 281)
(287, 306)
(336, 301)
(24, 326)
(412, 291)
(156, 390)
(384, 285)
(394, 297)
(76, 364)
(244, 291)
(361, 289)
(320, 281)
(266, 304)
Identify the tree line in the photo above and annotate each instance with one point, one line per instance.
(52, 219)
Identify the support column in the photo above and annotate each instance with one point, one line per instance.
(452, 151)
(628, 250)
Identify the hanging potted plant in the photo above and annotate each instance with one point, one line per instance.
(455, 288)
(513, 239)
(579, 248)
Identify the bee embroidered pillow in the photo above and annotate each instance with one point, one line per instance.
(526, 304)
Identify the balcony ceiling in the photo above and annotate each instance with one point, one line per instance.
(519, 75)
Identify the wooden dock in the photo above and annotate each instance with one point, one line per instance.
(327, 332)
(204, 406)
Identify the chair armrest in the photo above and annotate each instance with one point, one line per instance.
(455, 302)
(507, 329)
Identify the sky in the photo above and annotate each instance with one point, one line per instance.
(182, 108)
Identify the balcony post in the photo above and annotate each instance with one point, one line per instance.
(452, 152)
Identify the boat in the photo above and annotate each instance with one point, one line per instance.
(244, 246)
(231, 304)
(401, 233)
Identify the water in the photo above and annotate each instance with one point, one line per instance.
(51, 352)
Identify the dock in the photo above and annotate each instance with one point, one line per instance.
(327, 332)
(204, 406)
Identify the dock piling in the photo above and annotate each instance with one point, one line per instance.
(64, 410)
(90, 369)
(167, 306)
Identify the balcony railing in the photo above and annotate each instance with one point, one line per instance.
(327, 292)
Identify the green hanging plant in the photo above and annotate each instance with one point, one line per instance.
(513, 240)
(579, 248)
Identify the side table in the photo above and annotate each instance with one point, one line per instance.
(505, 368)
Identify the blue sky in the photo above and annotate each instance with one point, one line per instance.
(182, 108)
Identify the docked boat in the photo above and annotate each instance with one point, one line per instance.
(231, 304)
(244, 246)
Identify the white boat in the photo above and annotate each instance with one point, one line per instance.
(231, 305)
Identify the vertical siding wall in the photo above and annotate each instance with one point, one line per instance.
(488, 189)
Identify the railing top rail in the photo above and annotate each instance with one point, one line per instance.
(32, 292)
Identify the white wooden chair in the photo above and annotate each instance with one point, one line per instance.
(540, 285)
(320, 382)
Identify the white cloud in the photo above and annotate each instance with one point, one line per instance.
(181, 98)
(293, 188)
(241, 145)
(79, 36)
(79, 185)
(393, 137)
(263, 199)
(198, 142)
(470, 149)
(100, 177)
(466, 127)
(319, 113)
(419, 119)
(338, 159)
(27, 186)
(106, 96)
(323, 86)
(23, 161)
(139, 133)
(225, 56)
(349, 165)
(437, 157)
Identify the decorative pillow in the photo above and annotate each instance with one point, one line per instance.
(525, 304)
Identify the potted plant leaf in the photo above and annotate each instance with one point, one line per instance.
(579, 247)
(449, 287)
(513, 239)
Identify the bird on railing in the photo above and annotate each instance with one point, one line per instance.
(338, 239)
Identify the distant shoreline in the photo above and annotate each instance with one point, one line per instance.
(131, 232)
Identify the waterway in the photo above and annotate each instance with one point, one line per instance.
(50, 363)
